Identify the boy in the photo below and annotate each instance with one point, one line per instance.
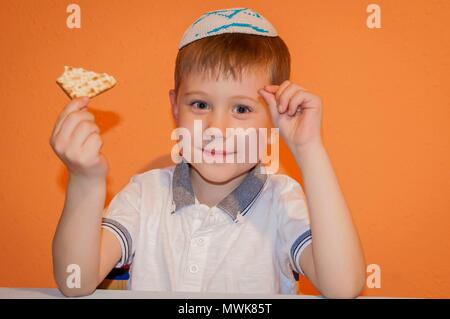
(213, 225)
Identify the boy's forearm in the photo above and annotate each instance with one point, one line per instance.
(77, 237)
(336, 249)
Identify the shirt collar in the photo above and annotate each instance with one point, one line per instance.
(237, 202)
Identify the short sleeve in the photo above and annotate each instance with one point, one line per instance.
(122, 219)
(294, 227)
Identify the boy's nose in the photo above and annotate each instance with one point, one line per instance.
(218, 121)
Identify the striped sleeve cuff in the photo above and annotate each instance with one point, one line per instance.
(297, 248)
(124, 238)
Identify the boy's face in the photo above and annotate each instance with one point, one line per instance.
(222, 104)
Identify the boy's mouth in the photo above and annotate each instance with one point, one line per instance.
(216, 153)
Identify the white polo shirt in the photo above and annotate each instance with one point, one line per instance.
(251, 242)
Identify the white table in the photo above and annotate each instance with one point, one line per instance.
(52, 293)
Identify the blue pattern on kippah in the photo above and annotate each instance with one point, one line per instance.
(222, 13)
(244, 25)
(255, 14)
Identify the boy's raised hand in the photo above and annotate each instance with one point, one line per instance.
(76, 140)
(296, 112)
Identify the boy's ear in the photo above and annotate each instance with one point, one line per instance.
(173, 103)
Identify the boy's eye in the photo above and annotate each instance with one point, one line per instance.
(242, 109)
(199, 105)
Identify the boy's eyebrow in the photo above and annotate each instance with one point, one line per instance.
(235, 96)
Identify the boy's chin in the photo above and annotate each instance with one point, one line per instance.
(221, 172)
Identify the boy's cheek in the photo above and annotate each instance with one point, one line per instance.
(186, 121)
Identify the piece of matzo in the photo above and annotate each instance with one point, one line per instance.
(77, 82)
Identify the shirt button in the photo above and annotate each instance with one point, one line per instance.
(200, 242)
(193, 268)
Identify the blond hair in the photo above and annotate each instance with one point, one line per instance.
(231, 54)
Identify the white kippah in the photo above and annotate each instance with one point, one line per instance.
(234, 20)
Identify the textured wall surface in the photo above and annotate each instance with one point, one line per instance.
(386, 99)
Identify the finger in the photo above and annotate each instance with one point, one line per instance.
(276, 90)
(280, 90)
(304, 101)
(82, 132)
(268, 97)
(286, 96)
(271, 88)
(91, 147)
(74, 105)
(296, 102)
(69, 124)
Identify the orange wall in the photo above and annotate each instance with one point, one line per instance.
(385, 93)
